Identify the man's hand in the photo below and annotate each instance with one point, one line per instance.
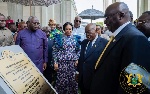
(55, 66)
(44, 66)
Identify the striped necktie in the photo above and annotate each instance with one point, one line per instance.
(111, 38)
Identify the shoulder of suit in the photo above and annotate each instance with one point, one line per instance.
(102, 39)
(133, 31)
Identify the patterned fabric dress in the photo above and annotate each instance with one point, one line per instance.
(66, 51)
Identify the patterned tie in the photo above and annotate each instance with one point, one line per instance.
(111, 38)
(89, 47)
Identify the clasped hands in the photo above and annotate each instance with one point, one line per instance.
(56, 65)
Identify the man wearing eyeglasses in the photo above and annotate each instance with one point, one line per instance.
(78, 29)
(34, 43)
(6, 37)
(143, 23)
(127, 45)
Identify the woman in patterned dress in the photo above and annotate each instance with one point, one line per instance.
(66, 52)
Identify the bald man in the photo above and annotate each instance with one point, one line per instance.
(91, 48)
(129, 45)
(78, 29)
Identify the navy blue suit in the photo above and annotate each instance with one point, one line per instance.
(49, 70)
(87, 62)
(130, 45)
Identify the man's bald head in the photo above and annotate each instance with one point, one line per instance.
(78, 17)
(90, 31)
(91, 26)
(77, 21)
(116, 15)
(118, 7)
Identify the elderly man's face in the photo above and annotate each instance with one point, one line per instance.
(143, 24)
(111, 19)
(90, 33)
(2, 21)
(34, 24)
(77, 21)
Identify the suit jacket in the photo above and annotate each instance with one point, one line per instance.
(130, 45)
(87, 62)
(49, 70)
(50, 45)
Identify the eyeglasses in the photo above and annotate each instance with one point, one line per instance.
(111, 15)
(59, 27)
(78, 21)
(142, 21)
(36, 23)
(2, 20)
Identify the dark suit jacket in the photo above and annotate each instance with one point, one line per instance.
(130, 45)
(49, 70)
(50, 45)
(86, 63)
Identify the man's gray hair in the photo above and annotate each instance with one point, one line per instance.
(31, 17)
(123, 7)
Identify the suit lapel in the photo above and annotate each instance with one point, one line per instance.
(113, 43)
(84, 48)
(94, 47)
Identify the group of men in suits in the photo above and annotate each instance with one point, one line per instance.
(101, 66)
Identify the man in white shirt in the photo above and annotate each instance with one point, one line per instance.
(78, 29)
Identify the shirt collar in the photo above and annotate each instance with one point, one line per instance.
(94, 40)
(77, 27)
(3, 28)
(120, 28)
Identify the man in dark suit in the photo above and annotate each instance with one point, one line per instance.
(143, 23)
(91, 48)
(129, 45)
(48, 72)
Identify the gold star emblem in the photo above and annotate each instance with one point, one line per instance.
(114, 40)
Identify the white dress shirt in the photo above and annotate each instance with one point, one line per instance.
(92, 41)
(79, 31)
(120, 28)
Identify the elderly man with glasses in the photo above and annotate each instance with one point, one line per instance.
(143, 23)
(127, 46)
(34, 43)
(78, 29)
